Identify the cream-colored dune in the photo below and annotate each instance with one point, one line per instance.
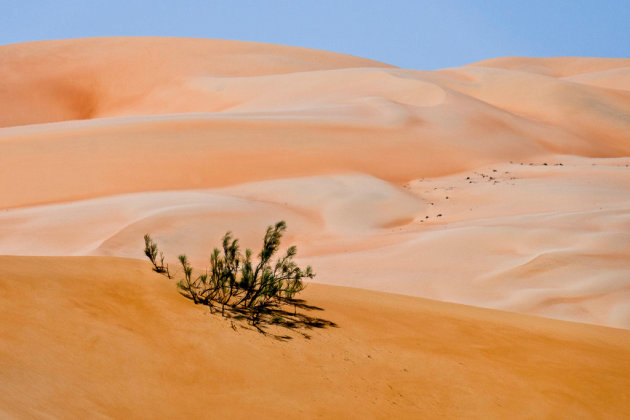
(618, 79)
(555, 66)
(107, 337)
(189, 138)
(71, 79)
(496, 244)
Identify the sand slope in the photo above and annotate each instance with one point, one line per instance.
(70, 79)
(501, 184)
(327, 112)
(495, 244)
(107, 337)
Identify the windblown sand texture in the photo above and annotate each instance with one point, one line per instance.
(504, 184)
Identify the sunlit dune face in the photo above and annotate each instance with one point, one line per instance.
(104, 336)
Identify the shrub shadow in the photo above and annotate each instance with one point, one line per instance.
(270, 321)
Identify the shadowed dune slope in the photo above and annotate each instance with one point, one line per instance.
(100, 336)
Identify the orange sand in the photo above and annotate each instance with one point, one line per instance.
(503, 184)
(93, 336)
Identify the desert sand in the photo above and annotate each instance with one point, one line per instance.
(120, 343)
(503, 184)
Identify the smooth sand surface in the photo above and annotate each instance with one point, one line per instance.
(82, 79)
(503, 184)
(496, 243)
(107, 337)
(189, 138)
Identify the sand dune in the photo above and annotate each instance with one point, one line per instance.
(200, 110)
(618, 78)
(188, 138)
(70, 80)
(120, 342)
(464, 238)
(503, 184)
(555, 66)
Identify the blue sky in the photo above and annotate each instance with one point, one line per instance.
(413, 34)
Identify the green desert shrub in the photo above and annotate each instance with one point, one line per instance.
(236, 280)
(151, 251)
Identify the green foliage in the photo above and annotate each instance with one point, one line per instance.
(186, 284)
(151, 251)
(234, 280)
